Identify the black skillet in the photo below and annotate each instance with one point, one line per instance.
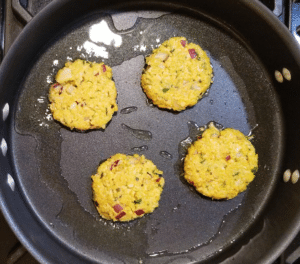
(45, 168)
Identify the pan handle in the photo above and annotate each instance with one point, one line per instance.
(21, 12)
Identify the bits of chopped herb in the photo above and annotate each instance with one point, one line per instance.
(138, 201)
(165, 90)
(155, 172)
(254, 170)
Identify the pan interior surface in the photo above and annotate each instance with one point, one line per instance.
(54, 165)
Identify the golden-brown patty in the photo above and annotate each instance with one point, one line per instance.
(221, 164)
(127, 187)
(177, 74)
(84, 96)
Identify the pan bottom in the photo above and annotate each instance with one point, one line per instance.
(54, 164)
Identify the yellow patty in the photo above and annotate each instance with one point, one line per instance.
(84, 96)
(177, 75)
(127, 187)
(221, 164)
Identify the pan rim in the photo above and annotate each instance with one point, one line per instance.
(30, 27)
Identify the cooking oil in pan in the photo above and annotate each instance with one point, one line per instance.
(138, 133)
(128, 110)
(139, 149)
(63, 160)
(166, 154)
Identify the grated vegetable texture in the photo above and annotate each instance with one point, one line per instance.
(221, 163)
(127, 187)
(84, 95)
(177, 75)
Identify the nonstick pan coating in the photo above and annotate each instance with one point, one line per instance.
(52, 165)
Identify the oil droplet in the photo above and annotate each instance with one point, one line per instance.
(194, 132)
(175, 209)
(141, 148)
(128, 110)
(149, 102)
(138, 133)
(166, 155)
(250, 135)
(211, 102)
(194, 129)
(184, 145)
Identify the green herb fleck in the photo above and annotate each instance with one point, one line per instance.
(138, 201)
(254, 170)
(156, 173)
(165, 90)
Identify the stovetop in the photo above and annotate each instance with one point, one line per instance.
(11, 251)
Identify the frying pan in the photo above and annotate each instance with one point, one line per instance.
(46, 168)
